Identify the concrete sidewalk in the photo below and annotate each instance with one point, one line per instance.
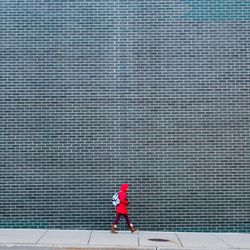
(82, 239)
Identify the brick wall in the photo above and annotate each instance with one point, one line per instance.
(94, 93)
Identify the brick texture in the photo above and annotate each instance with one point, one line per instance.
(95, 93)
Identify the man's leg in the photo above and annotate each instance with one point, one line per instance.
(118, 217)
(127, 219)
(114, 225)
(130, 225)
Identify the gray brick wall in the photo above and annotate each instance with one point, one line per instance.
(96, 93)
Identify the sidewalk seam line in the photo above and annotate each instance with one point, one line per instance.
(229, 245)
(179, 240)
(41, 237)
(138, 239)
(89, 237)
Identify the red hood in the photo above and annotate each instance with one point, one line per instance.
(124, 187)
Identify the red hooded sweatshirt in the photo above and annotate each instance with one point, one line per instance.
(122, 207)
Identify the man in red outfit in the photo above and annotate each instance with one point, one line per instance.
(121, 209)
